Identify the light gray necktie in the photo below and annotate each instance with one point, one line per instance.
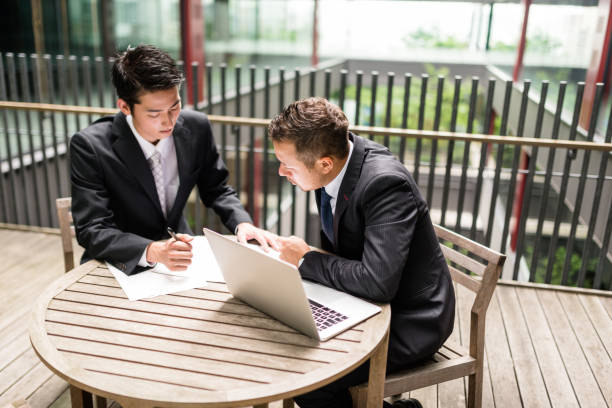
(158, 175)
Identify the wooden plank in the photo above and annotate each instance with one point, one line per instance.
(607, 304)
(180, 348)
(63, 401)
(168, 388)
(202, 337)
(452, 393)
(38, 270)
(122, 369)
(190, 302)
(26, 385)
(555, 377)
(466, 300)
(199, 293)
(600, 319)
(598, 358)
(420, 376)
(48, 393)
(222, 366)
(556, 288)
(210, 323)
(583, 382)
(15, 252)
(17, 369)
(463, 260)
(13, 324)
(428, 396)
(529, 378)
(210, 300)
(19, 345)
(465, 280)
(175, 311)
(466, 243)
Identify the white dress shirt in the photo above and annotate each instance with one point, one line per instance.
(333, 186)
(169, 169)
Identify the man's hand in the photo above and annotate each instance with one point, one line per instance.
(176, 255)
(292, 249)
(266, 239)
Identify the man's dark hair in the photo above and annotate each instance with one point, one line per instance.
(144, 69)
(315, 126)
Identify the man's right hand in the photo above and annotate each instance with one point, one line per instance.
(176, 255)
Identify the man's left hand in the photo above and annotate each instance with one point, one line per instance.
(266, 239)
(292, 249)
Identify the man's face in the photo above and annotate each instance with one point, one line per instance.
(155, 114)
(295, 170)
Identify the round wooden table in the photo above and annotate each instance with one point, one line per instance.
(200, 347)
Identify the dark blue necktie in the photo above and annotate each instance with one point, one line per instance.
(327, 219)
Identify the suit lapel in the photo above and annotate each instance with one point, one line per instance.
(183, 143)
(127, 148)
(351, 177)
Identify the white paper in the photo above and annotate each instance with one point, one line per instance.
(161, 281)
(203, 261)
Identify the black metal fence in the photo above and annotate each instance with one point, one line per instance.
(564, 190)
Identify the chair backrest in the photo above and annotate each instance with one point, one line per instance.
(64, 215)
(477, 268)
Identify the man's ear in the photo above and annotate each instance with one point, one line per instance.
(124, 107)
(325, 164)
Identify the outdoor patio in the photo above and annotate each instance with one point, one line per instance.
(546, 345)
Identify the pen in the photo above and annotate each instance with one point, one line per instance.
(173, 234)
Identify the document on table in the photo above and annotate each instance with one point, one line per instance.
(161, 281)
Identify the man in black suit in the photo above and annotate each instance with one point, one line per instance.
(132, 173)
(377, 228)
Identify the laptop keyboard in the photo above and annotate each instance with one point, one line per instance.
(324, 316)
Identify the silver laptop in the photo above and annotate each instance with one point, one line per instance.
(276, 288)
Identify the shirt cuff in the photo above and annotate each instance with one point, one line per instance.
(143, 260)
(300, 262)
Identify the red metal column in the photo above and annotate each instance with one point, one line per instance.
(520, 186)
(518, 64)
(599, 59)
(192, 44)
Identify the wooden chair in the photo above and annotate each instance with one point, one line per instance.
(64, 215)
(453, 361)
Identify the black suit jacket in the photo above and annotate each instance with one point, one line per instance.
(115, 205)
(386, 250)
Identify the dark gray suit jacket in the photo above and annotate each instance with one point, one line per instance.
(386, 250)
(115, 206)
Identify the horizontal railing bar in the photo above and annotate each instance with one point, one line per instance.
(374, 130)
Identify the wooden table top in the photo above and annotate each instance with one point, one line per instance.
(199, 347)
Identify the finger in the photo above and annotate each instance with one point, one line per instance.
(180, 246)
(180, 255)
(184, 263)
(273, 240)
(184, 237)
(241, 236)
(262, 242)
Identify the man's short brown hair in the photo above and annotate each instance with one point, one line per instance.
(315, 126)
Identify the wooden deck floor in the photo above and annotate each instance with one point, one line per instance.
(545, 347)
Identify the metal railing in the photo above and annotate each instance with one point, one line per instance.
(469, 179)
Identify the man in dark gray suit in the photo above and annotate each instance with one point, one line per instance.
(132, 173)
(378, 230)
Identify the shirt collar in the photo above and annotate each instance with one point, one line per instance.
(147, 147)
(334, 186)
